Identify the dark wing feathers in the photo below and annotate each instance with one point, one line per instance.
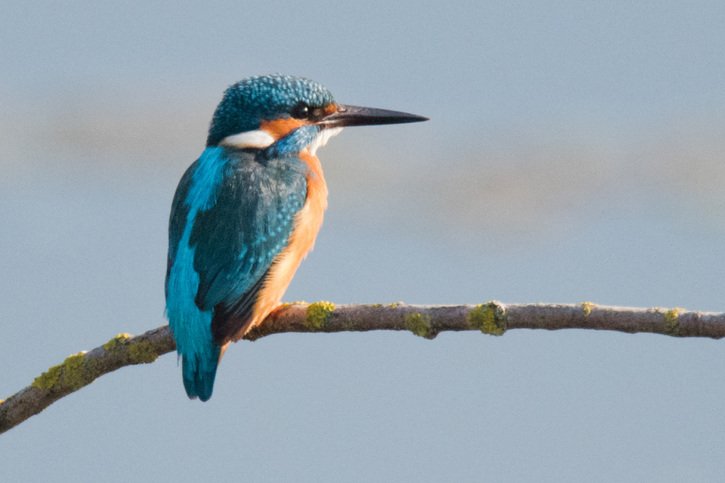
(238, 238)
(228, 319)
(177, 219)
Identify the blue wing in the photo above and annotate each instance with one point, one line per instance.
(239, 237)
(232, 215)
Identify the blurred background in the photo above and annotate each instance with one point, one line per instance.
(575, 152)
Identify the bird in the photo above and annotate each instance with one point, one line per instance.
(247, 212)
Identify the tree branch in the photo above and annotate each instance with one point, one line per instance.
(493, 318)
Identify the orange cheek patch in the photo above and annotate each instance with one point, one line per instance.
(279, 128)
(330, 108)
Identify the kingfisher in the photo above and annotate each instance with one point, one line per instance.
(247, 212)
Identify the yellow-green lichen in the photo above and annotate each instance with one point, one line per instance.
(142, 352)
(489, 318)
(318, 314)
(139, 351)
(120, 339)
(587, 308)
(395, 305)
(419, 324)
(672, 323)
(67, 375)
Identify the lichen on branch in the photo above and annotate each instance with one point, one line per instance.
(493, 318)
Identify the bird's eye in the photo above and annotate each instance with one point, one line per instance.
(301, 111)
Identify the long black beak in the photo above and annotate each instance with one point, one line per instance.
(366, 116)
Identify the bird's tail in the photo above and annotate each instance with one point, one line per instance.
(199, 371)
(197, 349)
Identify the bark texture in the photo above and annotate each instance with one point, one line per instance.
(495, 318)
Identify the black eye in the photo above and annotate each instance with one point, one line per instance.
(304, 111)
(301, 111)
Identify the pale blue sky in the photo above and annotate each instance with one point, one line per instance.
(575, 152)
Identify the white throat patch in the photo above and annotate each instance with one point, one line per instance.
(322, 138)
(260, 139)
(249, 139)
